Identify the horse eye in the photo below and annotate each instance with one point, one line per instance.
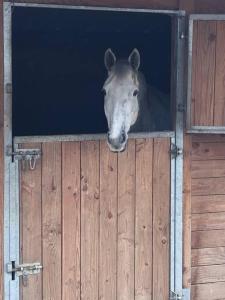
(135, 93)
(104, 92)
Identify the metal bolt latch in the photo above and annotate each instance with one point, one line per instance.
(29, 156)
(23, 270)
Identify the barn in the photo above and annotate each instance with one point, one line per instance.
(81, 222)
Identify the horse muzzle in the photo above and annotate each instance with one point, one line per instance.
(117, 144)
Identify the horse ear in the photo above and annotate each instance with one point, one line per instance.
(110, 59)
(134, 59)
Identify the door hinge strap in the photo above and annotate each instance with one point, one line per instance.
(175, 151)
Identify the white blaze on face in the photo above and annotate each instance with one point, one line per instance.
(121, 107)
(121, 97)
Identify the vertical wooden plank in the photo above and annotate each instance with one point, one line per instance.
(30, 225)
(51, 220)
(187, 213)
(126, 204)
(194, 70)
(108, 223)
(219, 112)
(71, 220)
(161, 218)
(89, 220)
(203, 93)
(143, 223)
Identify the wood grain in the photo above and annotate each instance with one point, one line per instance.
(204, 274)
(205, 204)
(219, 110)
(208, 186)
(206, 169)
(204, 69)
(194, 76)
(207, 151)
(187, 213)
(208, 138)
(108, 223)
(209, 291)
(143, 223)
(161, 218)
(89, 220)
(71, 220)
(208, 239)
(30, 225)
(208, 6)
(152, 4)
(51, 220)
(126, 217)
(208, 221)
(208, 256)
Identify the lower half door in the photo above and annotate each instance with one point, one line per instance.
(98, 222)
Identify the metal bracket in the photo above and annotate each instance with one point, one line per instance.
(175, 296)
(25, 155)
(23, 270)
(175, 151)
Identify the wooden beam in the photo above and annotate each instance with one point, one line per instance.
(150, 4)
(187, 214)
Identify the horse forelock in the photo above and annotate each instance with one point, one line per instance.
(121, 71)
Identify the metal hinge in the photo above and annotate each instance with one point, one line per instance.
(175, 296)
(23, 270)
(27, 156)
(175, 151)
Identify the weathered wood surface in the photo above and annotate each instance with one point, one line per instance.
(208, 65)
(208, 186)
(208, 138)
(208, 221)
(207, 151)
(30, 225)
(219, 109)
(209, 291)
(99, 221)
(108, 223)
(203, 92)
(51, 220)
(208, 217)
(152, 4)
(207, 274)
(204, 169)
(161, 218)
(187, 213)
(143, 223)
(208, 239)
(208, 256)
(126, 219)
(89, 220)
(71, 220)
(205, 204)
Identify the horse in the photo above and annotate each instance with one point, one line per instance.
(129, 103)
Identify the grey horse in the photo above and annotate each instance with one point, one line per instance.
(129, 103)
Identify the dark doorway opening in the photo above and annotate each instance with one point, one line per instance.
(58, 66)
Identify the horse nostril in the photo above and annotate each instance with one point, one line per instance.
(123, 137)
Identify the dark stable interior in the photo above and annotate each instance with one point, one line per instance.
(58, 65)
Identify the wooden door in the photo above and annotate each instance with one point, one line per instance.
(97, 221)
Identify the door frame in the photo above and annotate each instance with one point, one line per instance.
(11, 168)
